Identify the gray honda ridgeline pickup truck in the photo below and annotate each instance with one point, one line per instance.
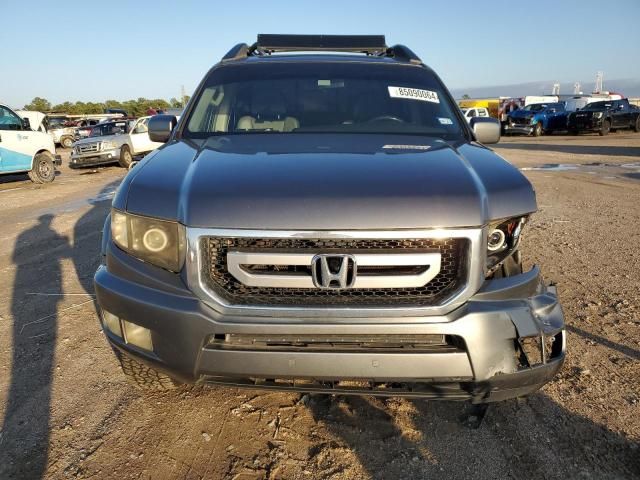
(327, 222)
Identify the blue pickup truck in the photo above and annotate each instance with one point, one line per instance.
(537, 119)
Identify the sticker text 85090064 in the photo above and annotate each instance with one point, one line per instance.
(414, 94)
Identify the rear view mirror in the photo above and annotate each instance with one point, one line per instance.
(161, 126)
(486, 130)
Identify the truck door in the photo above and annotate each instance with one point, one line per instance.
(624, 113)
(140, 140)
(15, 144)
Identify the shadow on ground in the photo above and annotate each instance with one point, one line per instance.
(526, 438)
(606, 150)
(37, 298)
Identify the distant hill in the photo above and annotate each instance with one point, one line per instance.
(627, 87)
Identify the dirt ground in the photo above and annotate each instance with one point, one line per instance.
(67, 411)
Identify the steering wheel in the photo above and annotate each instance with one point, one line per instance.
(383, 118)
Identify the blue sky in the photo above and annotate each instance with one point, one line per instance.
(88, 50)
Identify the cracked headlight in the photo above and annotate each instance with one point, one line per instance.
(503, 237)
(597, 115)
(159, 242)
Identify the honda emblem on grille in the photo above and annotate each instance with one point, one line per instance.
(333, 271)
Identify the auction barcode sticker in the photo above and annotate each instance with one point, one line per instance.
(414, 94)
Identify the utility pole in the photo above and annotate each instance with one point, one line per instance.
(183, 96)
(599, 82)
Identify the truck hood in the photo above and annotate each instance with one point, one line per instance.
(325, 182)
(103, 138)
(523, 114)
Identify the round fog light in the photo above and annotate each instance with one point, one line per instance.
(496, 240)
(155, 240)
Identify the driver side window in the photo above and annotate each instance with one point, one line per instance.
(9, 120)
(142, 126)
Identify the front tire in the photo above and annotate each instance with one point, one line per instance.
(537, 130)
(605, 129)
(636, 127)
(143, 376)
(66, 142)
(43, 171)
(125, 157)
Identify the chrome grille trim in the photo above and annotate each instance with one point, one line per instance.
(88, 147)
(236, 259)
(475, 259)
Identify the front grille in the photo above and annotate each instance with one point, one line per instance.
(88, 148)
(452, 275)
(521, 121)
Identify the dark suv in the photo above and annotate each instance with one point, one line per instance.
(602, 117)
(327, 222)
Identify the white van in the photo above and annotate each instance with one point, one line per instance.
(25, 150)
(531, 99)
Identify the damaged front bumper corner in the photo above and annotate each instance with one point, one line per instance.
(506, 341)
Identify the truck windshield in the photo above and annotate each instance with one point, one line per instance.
(535, 107)
(323, 97)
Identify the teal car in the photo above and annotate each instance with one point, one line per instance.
(23, 150)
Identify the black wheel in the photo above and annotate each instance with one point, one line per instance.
(605, 129)
(142, 376)
(43, 171)
(537, 130)
(125, 157)
(636, 127)
(66, 142)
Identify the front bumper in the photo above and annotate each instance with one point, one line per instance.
(518, 128)
(486, 367)
(585, 124)
(94, 158)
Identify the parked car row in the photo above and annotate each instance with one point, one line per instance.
(28, 142)
(602, 117)
(537, 116)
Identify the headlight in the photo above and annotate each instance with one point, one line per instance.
(159, 242)
(597, 115)
(503, 237)
(109, 145)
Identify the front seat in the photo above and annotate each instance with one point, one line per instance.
(270, 114)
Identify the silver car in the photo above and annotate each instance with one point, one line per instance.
(327, 222)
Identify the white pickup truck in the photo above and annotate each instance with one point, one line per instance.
(117, 141)
(25, 148)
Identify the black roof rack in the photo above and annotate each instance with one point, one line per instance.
(368, 44)
(403, 53)
(371, 44)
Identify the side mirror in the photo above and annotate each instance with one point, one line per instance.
(26, 124)
(486, 130)
(161, 126)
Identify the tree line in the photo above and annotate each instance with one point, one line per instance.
(135, 108)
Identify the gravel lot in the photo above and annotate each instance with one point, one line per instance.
(68, 411)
